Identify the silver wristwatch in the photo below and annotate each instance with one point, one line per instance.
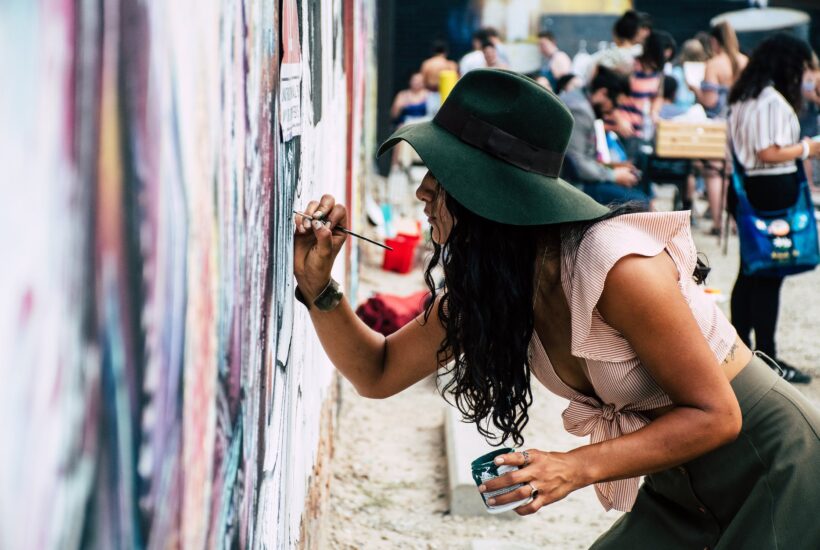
(327, 300)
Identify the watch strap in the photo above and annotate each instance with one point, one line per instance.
(301, 297)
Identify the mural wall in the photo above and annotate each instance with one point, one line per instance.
(159, 389)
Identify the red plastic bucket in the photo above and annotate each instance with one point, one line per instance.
(400, 259)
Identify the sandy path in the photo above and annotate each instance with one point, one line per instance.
(389, 470)
(390, 480)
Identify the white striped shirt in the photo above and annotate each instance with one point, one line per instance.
(757, 124)
(623, 386)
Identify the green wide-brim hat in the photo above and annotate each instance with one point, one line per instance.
(497, 145)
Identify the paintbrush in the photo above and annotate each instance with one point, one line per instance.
(343, 230)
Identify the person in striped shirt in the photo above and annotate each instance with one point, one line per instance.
(765, 137)
(645, 98)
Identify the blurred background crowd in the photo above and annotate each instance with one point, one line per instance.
(666, 109)
(620, 93)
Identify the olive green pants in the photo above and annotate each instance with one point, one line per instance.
(760, 492)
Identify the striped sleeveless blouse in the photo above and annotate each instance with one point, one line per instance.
(623, 387)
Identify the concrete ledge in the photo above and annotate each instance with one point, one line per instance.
(465, 444)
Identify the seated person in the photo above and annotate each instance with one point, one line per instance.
(605, 184)
(410, 103)
(674, 110)
(567, 83)
(492, 56)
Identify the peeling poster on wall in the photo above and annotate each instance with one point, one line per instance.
(290, 74)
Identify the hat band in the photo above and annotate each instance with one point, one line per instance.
(496, 142)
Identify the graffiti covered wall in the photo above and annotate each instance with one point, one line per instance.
(159, 389)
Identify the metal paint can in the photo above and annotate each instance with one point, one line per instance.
(484, 469)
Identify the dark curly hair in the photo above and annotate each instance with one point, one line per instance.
(486, 309)
(780, 61)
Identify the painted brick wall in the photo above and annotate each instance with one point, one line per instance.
(158, 387)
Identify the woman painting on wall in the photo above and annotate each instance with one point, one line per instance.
(601, 306)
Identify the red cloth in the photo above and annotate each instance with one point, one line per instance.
(386, 313)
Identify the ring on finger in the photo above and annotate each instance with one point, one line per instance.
(526, 455)
(533, 491)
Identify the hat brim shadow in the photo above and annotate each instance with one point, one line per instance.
(491, 187)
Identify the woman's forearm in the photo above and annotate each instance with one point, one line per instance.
(355, 349)
(777, 155)
(708, 99)
(681, 435)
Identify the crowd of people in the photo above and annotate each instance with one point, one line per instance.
(769, 100)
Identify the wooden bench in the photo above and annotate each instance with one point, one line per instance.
(691, 140)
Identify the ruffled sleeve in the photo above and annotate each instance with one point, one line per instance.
(584, 272)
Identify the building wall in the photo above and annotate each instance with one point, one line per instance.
(159, 388)
(520, 20)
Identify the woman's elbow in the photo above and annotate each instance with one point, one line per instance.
(726, 424)
(374, 391)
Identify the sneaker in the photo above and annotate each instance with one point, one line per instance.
(792, 374)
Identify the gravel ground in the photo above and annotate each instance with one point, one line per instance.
(389, 470)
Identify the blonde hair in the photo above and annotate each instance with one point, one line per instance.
(726, 37)
(692, 50)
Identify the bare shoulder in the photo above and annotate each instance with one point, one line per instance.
(636, 283)
(656, 268)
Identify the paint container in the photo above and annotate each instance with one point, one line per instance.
(484, 469)
(400, 259)
(446, 82)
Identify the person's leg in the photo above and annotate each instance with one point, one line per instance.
(742, 305)
(763, 304)
(688, 195)
(714, 195)
(764, 314)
